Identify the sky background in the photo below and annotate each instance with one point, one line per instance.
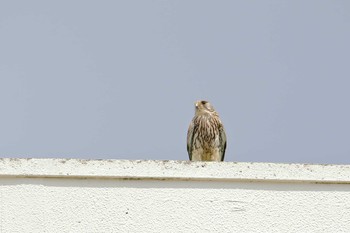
(118, 79)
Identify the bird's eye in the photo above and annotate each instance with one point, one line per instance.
(204, 102)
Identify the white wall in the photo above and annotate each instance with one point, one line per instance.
(58, 195)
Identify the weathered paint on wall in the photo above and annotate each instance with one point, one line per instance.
(56, 195)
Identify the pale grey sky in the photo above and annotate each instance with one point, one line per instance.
(118, 79)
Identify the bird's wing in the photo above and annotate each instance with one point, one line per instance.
(190, 139)
(222, 142)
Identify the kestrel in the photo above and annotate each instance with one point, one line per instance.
(206, 138)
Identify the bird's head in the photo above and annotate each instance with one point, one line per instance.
(204, 107)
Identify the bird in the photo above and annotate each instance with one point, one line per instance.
(206, 137)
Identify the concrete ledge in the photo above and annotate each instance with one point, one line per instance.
(170, 170)
(73, 195)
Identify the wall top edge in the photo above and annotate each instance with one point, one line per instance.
(174, 170)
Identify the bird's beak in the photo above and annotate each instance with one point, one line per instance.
(196, 104)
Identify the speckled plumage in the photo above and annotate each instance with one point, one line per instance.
(206, 138)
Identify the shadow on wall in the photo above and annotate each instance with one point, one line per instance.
(171, 184)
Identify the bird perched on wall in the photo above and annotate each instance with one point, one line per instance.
(206, 138)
